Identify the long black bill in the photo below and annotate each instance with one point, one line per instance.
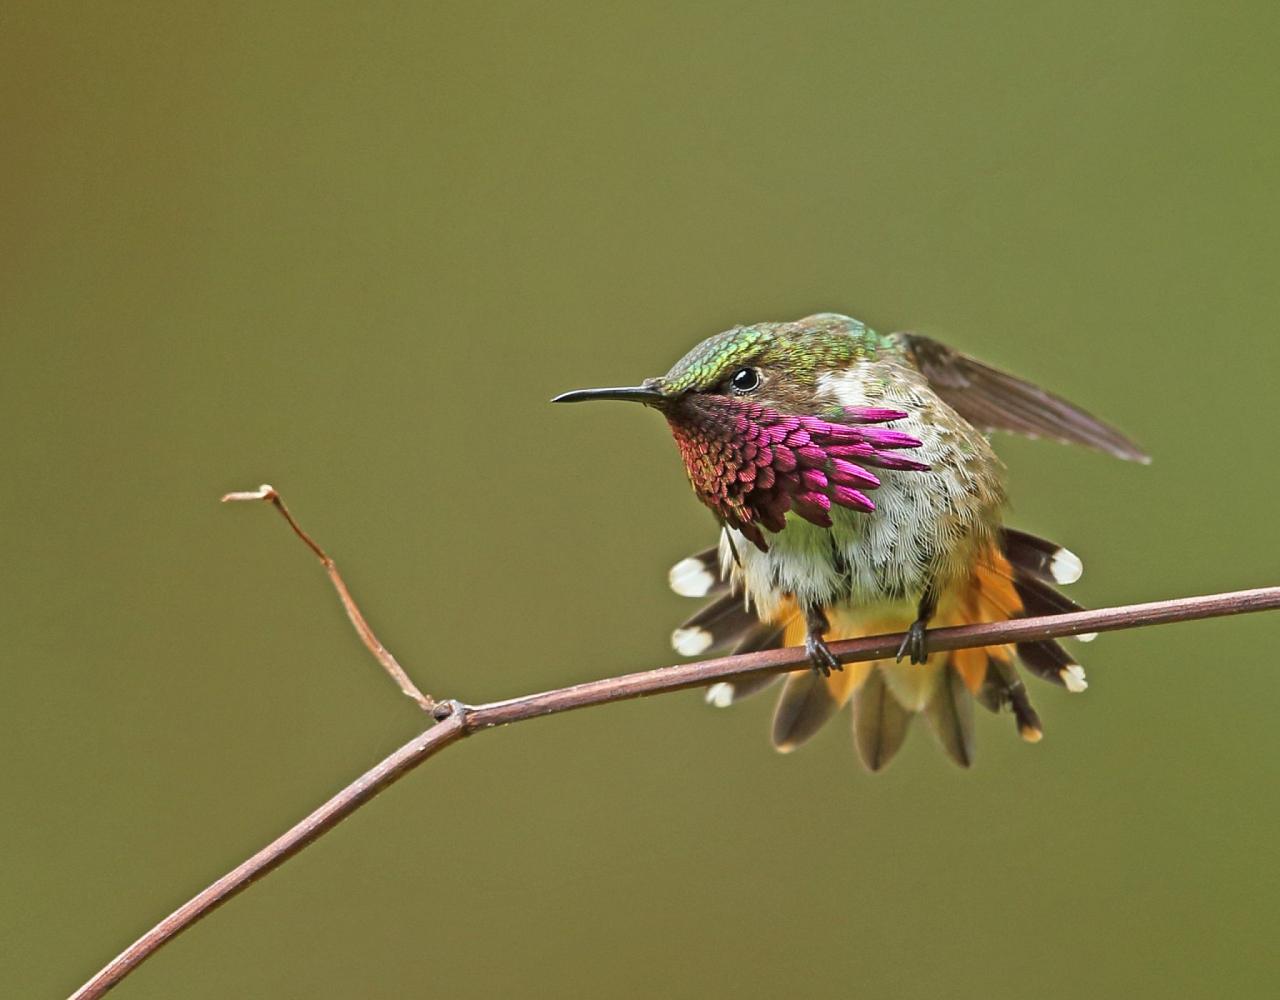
(634, 393)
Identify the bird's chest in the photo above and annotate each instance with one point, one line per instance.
(926, 528)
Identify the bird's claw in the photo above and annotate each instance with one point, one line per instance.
(914, 643)
(820, 656)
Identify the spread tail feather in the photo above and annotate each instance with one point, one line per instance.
(725, 693)
(1014, 693)
(805, 705)
(716, 626)
(698, 575)
(1041, 559)
(880, 722)
(950, 714)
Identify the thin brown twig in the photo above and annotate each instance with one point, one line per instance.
(380, 652)
(460, 720)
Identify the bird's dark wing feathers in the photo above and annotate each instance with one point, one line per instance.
(997, 401)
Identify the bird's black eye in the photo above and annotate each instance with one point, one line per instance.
(745, 380)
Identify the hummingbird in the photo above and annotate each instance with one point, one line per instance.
(857, 493)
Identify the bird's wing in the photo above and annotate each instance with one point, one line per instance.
(997, 401)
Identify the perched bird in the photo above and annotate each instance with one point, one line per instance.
(857, 494)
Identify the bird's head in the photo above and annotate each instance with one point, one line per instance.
(760, 435)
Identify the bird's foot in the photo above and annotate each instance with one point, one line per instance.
(820, 656)
(914, 644)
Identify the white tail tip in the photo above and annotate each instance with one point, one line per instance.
(1073, 677)
(691, 641)
(1066, 566)
(691, 578)
(720, 695)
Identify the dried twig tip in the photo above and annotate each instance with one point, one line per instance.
(380, 652)
(264, 492)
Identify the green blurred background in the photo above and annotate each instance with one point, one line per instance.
(352, 250)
